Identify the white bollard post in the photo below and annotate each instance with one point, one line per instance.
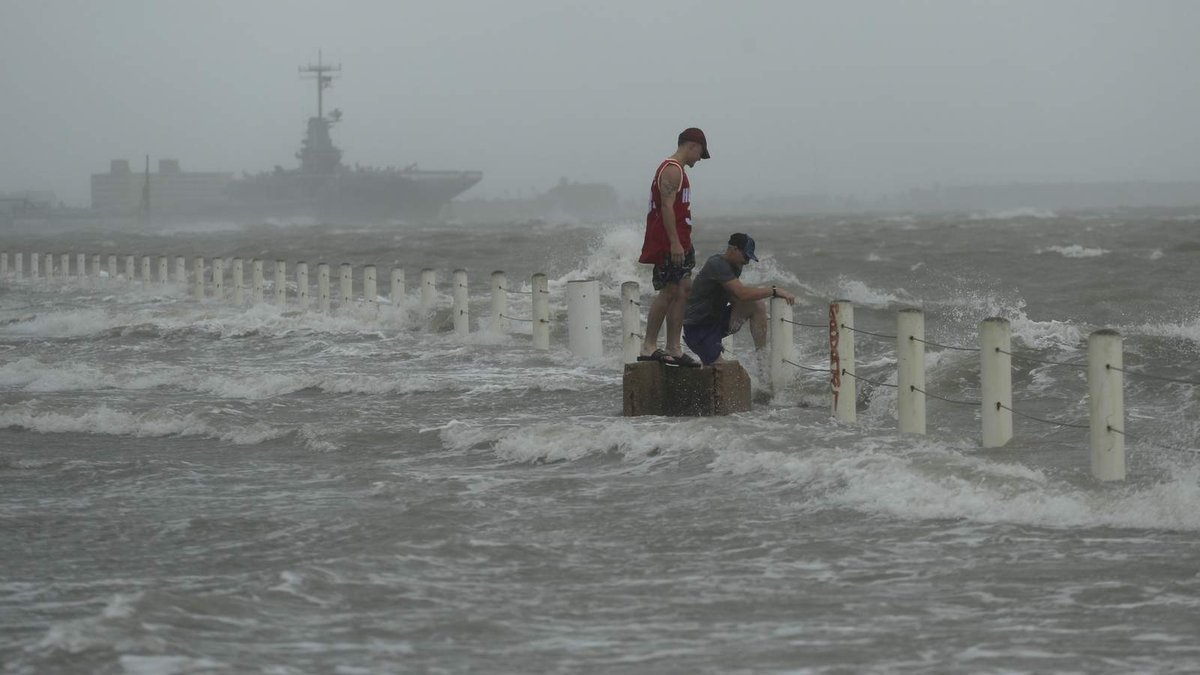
(19, 265)
(397, 295)
(280, 284)
(33, 265)
(96, 265)
(631, 321)
(128, 268)
(428, 292)
(501, 324)
(1106, 404)
(841, 361)
(995, 381)
(370, 292)
(910, 371)
(181, 276)
(462, 316)
(584, 336)
(256, 282)
(80, 265)
(323, 287)
(347, 285)
(65, 266)
(162, 270)
(198, 278)
(782, 345)
(302, 284)
(112, 266)
(218, 278)
(3, 263)
(541, 311)
(146, 269)
(239, 283)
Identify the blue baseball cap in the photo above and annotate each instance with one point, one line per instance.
(744, 243)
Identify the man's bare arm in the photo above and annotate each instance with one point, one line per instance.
(668, 187)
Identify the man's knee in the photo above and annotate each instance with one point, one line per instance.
(676, 291)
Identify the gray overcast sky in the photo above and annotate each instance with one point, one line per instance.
(849, 97)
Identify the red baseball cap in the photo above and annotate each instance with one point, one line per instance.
(696, 136)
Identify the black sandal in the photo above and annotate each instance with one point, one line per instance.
(686, 361)
(660, 356)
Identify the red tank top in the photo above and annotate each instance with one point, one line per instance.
(657, 247)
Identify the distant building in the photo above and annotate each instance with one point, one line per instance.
(171, 191)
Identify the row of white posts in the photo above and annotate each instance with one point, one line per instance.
(1106, 401)
(583, 296)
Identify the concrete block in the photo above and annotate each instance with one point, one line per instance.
(651, 388)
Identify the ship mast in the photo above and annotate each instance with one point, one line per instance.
(319, 74)
(318, 156)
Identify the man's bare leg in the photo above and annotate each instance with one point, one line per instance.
(659, 309)
(675, 317)
(755, 313)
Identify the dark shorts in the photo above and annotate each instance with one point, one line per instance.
(670, 273)
(705, 338)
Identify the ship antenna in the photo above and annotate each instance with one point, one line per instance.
(323, 80)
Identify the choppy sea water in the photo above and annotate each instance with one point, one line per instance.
(195, 487)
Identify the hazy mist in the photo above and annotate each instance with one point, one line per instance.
(848, 97)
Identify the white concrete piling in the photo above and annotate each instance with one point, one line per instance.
(19, 264)
(841, 361)
(162, 270)
(323, 287)
(146, 269)
(198, 278)
(631, 322)
(218, 277)
(33, 265)
(1106, 404)
(910, 371)
(460, 310)
(781, 348)
(181, 275)
(584, 337)
(65, 266)
(280, 285)
(96, 265)
(541, 311)
(112, 266)
(501, 324)
(370, 291)
(995, 381)
(302, 284)
(347, 285)
(397, 293)
(80, 265)
(428, 292)
(238, 281)
(3, 263)
(129, 268)
(256, 282)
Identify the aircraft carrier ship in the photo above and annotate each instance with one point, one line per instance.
(322, 187)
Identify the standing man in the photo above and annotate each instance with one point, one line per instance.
(720, 303)
(668, 246)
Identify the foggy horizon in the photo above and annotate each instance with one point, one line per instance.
(864, 98)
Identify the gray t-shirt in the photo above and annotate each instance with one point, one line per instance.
(707, 302)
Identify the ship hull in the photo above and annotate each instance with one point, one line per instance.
(362, 195)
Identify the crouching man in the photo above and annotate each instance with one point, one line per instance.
(719, 303)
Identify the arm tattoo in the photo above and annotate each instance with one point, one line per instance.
(668, 186)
